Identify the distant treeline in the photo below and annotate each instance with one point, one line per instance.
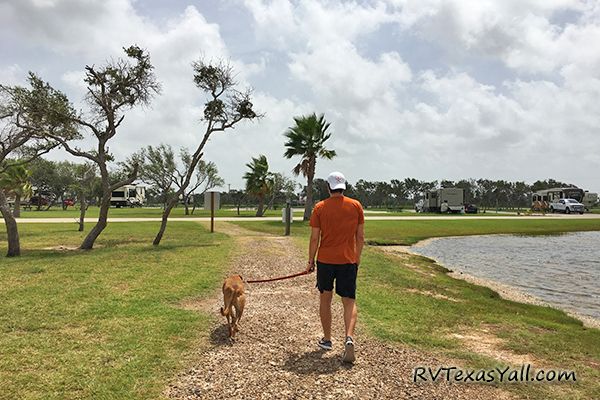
(485, 193)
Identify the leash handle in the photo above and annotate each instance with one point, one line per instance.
(279, 278)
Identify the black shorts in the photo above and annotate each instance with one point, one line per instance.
(344, 276)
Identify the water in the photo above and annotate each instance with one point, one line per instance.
(562, 270)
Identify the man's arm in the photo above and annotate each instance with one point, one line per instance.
(315, 236)
(360, 241)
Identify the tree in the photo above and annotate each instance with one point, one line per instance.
(398, 191)
(364, 192)
(237, 196)
(259, 181)
(111, 90)
(468, 187)
(16, 180)
(159, 171)
(52, 180)
(283, 189)
(224, 109)
(321, 189)
(307, 140)
(30, 120)
(207, 177)
(85, 181)
(413, 187)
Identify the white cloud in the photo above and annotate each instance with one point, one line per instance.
(355, 61)
(11, 74)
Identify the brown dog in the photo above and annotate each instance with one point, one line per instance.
(234, 298)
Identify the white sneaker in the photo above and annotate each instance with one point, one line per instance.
(348, 356)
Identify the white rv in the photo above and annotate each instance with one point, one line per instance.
(443, 200)
(542, 199)
(129, 196)
(589, 200)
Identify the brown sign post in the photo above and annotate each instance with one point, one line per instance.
(288, 218)
(212, 201)
(212, 212)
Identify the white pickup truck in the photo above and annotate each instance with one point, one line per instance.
(567, 206)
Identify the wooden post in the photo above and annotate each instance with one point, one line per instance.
(288, 218)
(212, 212)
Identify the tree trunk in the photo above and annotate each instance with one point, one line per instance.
(186, 205)
(165, 217)
(14, 247)
(88, 242)
(261, 203)
(309, 195)
(17, 208)
(82, 210)
(193, 208)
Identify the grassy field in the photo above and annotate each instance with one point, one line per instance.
(411, 300)
(107, 323)
(145, 212)
(410, 232)
(179, 212)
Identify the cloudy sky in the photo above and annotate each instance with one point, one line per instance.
(429, 89)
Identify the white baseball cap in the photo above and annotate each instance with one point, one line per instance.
(336, 180)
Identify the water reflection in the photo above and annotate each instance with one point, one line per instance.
(562, 269)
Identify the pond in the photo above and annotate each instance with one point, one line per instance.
(562, 270)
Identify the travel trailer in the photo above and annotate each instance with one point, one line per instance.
(129, 196)
(443, 201)
(590, 200)
(542, 199)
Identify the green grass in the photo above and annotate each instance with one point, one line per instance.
(396, 304)
(145, 212)
(105, 323)
(411, 231)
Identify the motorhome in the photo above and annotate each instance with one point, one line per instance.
(542, 199)
(443, 200)
(129, 196)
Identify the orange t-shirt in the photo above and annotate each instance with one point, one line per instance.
(338, 218)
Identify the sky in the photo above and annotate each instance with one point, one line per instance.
(428, 89)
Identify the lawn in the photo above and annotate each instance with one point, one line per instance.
(146, 212)
(106, 323)
(179, 212)
(411, 231)
(411, 300)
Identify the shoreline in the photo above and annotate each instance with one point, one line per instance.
(505, 291)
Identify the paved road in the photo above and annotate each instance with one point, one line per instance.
(367, 217)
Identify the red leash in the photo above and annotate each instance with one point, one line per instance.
(281, 277)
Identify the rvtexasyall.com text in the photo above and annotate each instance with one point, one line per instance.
(523, 374)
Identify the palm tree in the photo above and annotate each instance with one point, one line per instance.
(15, 179)
(307, 140)
(259, 181)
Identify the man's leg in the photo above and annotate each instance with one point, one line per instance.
(325, 313)
(350, 315)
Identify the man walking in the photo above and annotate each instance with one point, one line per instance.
(338, 235)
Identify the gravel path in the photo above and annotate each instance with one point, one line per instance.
(275, 355)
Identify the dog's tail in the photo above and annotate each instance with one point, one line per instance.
(228, 298)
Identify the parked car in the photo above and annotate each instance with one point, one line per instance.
(471, 209)
(38, 201)
(567, 206)
(68, 202)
